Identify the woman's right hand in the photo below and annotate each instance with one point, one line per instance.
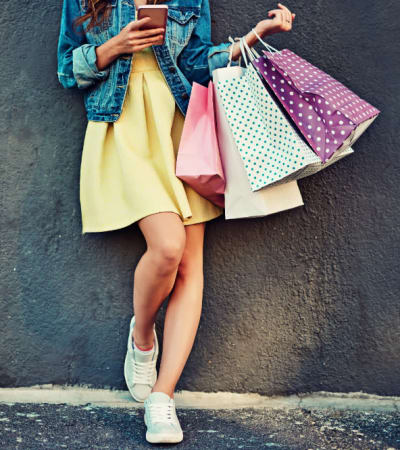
(129, 40)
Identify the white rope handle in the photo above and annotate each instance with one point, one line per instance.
(233, 40)
(267, 46)
(231, 51)
(243, 51)
(251, 52)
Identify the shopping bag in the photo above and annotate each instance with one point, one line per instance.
(240, 201)
(270, 147)
(312, 168)
(198, 161)
(329, 115)
(318, 166)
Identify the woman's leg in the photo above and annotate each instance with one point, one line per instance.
(155, 273)
(183, 311)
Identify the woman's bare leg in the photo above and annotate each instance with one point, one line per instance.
(156, 271)
(183, 311)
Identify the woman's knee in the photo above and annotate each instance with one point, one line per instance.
(166, 239)
(168, 253)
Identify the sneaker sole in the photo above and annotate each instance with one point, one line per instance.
(162, 438)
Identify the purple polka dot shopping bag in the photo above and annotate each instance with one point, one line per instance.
(328, 114)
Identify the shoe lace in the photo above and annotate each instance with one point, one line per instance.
(143, 371)
(162, 412)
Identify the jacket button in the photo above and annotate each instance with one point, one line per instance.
(172, 69)
(185, 96)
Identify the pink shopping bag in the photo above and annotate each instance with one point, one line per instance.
(198, 161)
(329, 115)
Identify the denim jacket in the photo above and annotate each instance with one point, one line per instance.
(188, 54)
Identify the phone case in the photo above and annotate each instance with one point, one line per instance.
(158, 15)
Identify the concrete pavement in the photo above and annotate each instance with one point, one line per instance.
(77, 418)
(50, 426)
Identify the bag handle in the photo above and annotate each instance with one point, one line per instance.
(233, 40)
(251, 52)
(243, 51)
(247, 51)
(267, 46)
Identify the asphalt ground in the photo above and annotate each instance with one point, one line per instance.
(53, 426)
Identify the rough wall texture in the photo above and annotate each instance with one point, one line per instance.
(301, 301)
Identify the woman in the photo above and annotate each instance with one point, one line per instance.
(136, 92)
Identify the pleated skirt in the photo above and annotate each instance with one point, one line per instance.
(128, 166)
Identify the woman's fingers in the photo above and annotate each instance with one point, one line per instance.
(280, 19)
(134, 28)
(283, 8)
(276, 14)
(136, 24)
(147, 40)
(287, 14)
(132, 38)
(156, 40)
(147, 33)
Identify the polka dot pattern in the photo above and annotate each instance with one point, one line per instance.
(315, 168)
(269, 146)
(325, 111)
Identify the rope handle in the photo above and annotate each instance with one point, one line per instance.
(267, 46)
(233, 40)
(251, 52)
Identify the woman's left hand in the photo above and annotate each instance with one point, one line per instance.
(280, 19)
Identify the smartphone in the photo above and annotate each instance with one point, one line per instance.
(158, 15)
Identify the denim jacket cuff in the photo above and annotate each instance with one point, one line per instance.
(84, 66)
(218, 56)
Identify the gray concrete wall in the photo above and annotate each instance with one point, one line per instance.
(306, 300)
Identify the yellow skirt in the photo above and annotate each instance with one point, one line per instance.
(128, 166)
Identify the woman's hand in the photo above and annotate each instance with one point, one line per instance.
(129, 40)
(280, 19)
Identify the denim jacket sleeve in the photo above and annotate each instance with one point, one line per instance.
(76, 58)
(200, 57)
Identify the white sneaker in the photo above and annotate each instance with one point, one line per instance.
(161, 420)
(140, 369)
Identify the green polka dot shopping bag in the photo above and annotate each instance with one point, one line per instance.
(270, 148)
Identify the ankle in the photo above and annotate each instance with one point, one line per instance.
(165, 391)
(144, 344)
